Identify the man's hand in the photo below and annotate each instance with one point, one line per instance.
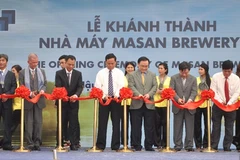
(180, 101)
(32, 94)
(146, 96)
(73, 96)
(41, 92)
(4, 99)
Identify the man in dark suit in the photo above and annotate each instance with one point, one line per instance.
(7, 86)
(35, 80)
(71, 79)
(143, 83)
(185, 86)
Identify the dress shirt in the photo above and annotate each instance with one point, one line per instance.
(217, 85)
(102, 81)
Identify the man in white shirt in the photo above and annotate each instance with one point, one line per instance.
(226, 86)
(110, 80)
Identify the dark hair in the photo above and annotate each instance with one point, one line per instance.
(70, 57)
(206, 68)
(17, 67)
(143, 59)
(238, 70)
(227, 64)
(127, 64)
(109, 56)
(62, 57)
(184, 65)
(4, 56)
(165, 66)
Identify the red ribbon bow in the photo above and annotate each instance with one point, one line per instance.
(168, 93)
(22, 92)
(96, 93)
(125, 93)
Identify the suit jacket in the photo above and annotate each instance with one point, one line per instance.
(75, 87)
(150, 87)
(189, 90)
(41, 103)
(9, 87)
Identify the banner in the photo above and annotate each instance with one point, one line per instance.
(162, 30)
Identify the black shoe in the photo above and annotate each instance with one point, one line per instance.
(149, 149)
(78, 145)
(37, 148)
(30, 147)
(160, 147)
(177, 149)
(227, 149)
(1, 143)
(235, 141)
(137, 148)
(7, 148)
(238, 147)
(190, 150)
(115, 149)
(73, 148)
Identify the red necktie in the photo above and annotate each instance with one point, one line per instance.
(226, 90)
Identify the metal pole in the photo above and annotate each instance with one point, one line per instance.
(209, 148)
(59, 147)
(168, 149)
(94, 148)
(125, 146)
(22, 149)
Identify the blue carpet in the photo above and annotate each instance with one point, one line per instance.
(47, 154)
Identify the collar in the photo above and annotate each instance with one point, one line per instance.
(142, 72)
(223, 77)
(68, 71)
(32, 69)
(3, 71)
(109, 69)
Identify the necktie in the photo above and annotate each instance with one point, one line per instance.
(110, 84)
(143, 79)
(33, 74)
(226, 90)
(69, 77)
(1, 77)
(1, 81)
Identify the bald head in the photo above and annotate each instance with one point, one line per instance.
(32, 60)
(32, 55)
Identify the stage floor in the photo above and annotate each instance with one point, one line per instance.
(47, 154)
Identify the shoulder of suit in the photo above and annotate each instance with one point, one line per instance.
(150, 72)
(9, 72)
(42, 69)
(61, 70)
(191, 76)
(175, 76)
(74, 70)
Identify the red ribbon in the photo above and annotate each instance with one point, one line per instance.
(125, 93)
(205, 95)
